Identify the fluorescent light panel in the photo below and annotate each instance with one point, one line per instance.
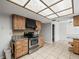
(20, 2)
(52, 16)
(65, 4)
(46, 12)
(35, 5)
(69, 11)
(50, 2)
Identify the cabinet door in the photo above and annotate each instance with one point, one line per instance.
(21, 22)
(21, 47)
(76, 21)
(76, 46)
(18, 22)
(41, 41)
(18, 53)
(38, 24)
(24, 50)
(15, 22)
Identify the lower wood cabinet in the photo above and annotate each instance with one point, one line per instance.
(41, 41)
(76, 46)
(20, 48)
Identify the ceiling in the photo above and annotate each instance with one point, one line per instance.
(7, 7)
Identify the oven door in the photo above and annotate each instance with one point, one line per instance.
(34, 41)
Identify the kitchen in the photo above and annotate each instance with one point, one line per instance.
(27, 33)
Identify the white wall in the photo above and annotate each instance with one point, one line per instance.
(62, 30)
(65, 30)
(57, 37)
(47, 32)
(5, 32)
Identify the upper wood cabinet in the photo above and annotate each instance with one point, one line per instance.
(38, 24)
(18, 22)
(76, 20)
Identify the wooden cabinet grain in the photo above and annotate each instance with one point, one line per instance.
(41, 41)
(18, 22)
(76, 20)
(38, 24)
(76, 46)
(19, 48)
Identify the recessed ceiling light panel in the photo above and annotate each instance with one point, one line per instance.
(51, 2)
(65, 4)
(52, 16)
(19, 2)
(35, 5)
(46, 12)
(69, 11)
(50, 8)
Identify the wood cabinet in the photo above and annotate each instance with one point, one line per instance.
(38, 24)
(18, 22)
(76, 46)
(41, 41)
(76, 20)
(19, 48)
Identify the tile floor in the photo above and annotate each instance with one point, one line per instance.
(57, 50)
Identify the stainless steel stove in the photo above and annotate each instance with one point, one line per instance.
(33, 44)
(33, 41)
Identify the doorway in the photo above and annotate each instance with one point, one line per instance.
(53, 33)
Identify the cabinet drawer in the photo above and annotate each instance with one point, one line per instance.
(18, 46)
(18, 42)
(25, 43)
(24, 52)
(18, 50)
(76, 50)
(25, 48)
(18, 55)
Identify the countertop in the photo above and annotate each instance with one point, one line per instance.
(73, 36)
(17, 37)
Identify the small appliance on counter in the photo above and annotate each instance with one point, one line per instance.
(28, 35)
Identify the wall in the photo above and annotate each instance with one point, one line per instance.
(47, 32)
(5, 32)
(66, 30)
(62, 30)
(57, 37)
